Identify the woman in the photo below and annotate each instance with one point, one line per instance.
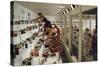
(44, 19)
(88, 44)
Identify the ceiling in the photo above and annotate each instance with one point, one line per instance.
(50, 9)
(92, 11)
(45, 8)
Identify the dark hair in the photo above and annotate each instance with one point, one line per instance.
(87, 29)
(89, 35)
(40, 14)
(47, 33)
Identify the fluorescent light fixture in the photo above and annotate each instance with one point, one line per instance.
(72, 7)
(64, 11)
(67, 10)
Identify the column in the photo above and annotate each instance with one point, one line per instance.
(70, 31)
(65, 25)
(62, 21)
(64, 29)
(90, 24)
(80, 36)
(65, 36)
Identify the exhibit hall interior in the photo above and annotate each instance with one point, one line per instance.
(50, 33)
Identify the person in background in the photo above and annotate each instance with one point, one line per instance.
(87, 39)
(87, 31)
(88, 44)
(85, 35)
(94, 45)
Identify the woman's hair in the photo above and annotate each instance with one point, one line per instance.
(40, 14)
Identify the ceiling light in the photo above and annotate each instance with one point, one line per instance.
(67, 10)
(64, 11)
(72, 6)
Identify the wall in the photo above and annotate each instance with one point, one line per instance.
(22, 13)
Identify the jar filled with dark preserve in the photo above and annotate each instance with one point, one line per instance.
(13, 33)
